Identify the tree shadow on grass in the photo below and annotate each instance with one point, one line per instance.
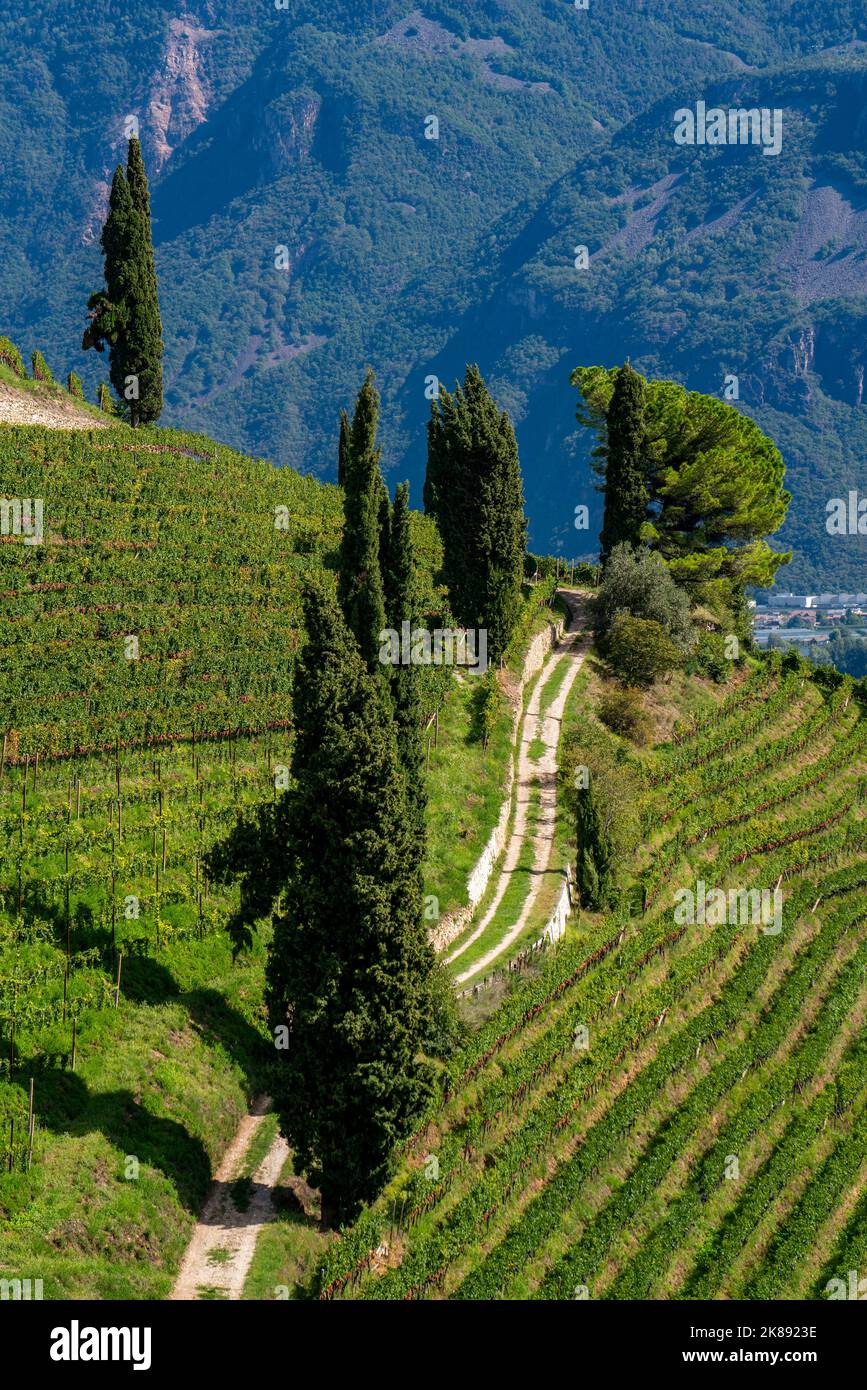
(64, 1104)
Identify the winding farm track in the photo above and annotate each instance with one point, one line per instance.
(571, 649)
(218, 1257)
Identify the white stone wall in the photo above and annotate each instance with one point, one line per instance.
(556, 926)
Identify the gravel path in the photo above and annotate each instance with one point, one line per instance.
(221, 1249)
(543, 771)
(32, 408)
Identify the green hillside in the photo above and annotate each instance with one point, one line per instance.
(545, 1167)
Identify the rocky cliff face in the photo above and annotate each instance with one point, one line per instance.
(179, 95)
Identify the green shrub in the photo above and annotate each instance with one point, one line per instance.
(640, 583)
(74, 386)
(639, 650)
(12, 357)
(708, 658)
(41, 370)
(622, 711)
(104, 399)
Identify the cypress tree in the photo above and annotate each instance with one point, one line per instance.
(384, 524)
(474, 490)
(107, 308)
(401, 589)
(360, 585)
(595, 853)
(145, 332)
(625, 464)
(350, 971)
(342, 449)
(446, 493)
(126, 314)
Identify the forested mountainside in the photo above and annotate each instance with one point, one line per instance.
(305, 129)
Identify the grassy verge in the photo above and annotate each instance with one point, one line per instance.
(288, 1248)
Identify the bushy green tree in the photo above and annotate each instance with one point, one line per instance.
(639, 650)
(715, 481)
(708, 658)
(360, 584)
(74, 386)
(639, 583)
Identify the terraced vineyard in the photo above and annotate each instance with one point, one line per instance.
(669, 1110)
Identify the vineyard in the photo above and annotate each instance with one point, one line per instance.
(660, 1109)
(668, 1110)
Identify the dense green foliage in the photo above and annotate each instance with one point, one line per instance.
(640, 584)
(713, 480)
(639, 650)
(593, 865)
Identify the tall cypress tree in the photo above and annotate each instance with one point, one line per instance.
(385, 547)
(126, 314)
(625, 464)
(474, 490)
(595, 853)
(360, 585)
(350, 971)
(144, 333)
(402, 597)
(447, 492)
(107, 308)
(342, 449)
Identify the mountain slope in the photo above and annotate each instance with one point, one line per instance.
(306, 130)
(703, 263)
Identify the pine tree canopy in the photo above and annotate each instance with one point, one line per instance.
(715, 481)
